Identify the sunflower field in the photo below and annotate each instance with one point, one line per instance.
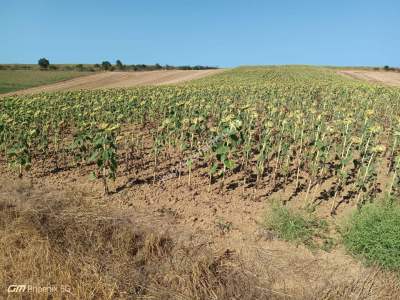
(307, 129)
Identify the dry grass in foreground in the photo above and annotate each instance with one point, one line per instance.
(52, 239)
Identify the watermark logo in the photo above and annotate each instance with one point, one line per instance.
(26, 288)
(17, 288)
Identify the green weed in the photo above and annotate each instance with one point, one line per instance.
(373, 234)
(297, 227)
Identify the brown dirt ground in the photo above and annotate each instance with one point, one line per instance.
(63, 215)
(227, 218)
(386, 77)
(120, 80)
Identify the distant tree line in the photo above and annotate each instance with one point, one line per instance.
(119, 66)
(387, 68)
(44, 64)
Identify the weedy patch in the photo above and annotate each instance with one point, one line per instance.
(373, 234)
(293, 226)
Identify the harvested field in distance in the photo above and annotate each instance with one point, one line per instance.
(121, 80)
(386, 77)
(14, 80)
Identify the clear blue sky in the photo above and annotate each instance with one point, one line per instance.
(208, 32)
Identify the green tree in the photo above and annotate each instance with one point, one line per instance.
(43, 63)
(119, 65)
(106, 65)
